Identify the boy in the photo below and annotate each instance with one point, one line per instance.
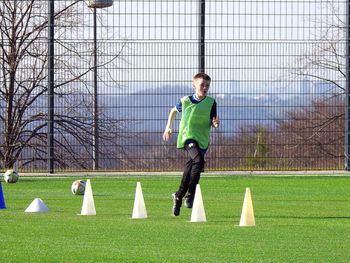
(198, 115)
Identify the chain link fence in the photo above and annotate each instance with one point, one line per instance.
(278, 71)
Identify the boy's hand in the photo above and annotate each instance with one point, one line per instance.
(216, 122)
(166, 134)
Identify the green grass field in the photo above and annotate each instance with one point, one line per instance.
(299, 219)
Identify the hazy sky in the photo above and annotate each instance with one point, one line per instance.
(252, 42)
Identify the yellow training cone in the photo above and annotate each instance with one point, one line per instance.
(198, 213)
(247, 216)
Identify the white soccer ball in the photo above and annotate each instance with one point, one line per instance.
(11, 176)
(78, 187)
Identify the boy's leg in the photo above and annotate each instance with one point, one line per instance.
(190, 177)
(185, 181)
(177, 197)
(197, 166)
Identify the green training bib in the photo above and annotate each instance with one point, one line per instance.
(195, 122)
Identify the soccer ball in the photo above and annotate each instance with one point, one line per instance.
(78, 187)
(11, 176)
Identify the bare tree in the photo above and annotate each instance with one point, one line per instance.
(23, 79)
(313, 134)
(312, 137)
(324, 61)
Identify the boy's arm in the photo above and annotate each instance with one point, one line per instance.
(171, 118)
(215, 122)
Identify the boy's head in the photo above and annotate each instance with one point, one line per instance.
(201, 83)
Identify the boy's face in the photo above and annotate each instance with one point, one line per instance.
(201, 87)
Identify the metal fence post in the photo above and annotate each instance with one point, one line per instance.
(50, 88)
(347, 89)
(95, 140)
(201, 35)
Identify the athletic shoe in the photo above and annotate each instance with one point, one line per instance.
(189, 201)
(176, 205)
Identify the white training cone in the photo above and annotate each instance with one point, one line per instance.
(198, 213)
(88, 207)
(37, 206)
(139, 210)
(247, 216)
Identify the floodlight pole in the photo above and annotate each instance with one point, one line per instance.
(201, 36)
(50, 88)
(347, 89)
(94, 4)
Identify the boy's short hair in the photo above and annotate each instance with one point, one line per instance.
(202, 75)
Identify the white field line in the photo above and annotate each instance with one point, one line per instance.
(205, 174)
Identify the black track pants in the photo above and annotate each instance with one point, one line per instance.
(192, 170)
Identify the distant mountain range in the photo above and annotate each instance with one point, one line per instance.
(150, 107)
(239, 104)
